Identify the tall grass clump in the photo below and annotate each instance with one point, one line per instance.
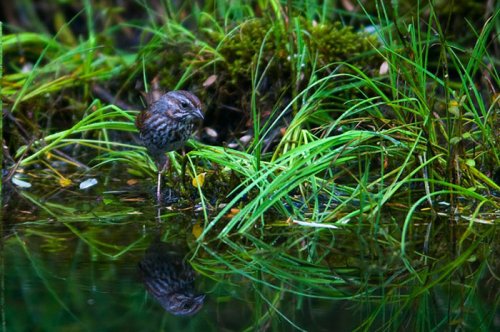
(421, 125)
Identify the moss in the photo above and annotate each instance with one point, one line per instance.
(331, 42)
(334, 43)
(241, 49)
(268, 41)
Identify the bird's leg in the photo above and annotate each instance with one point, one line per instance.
(161, 170)
(158, 188)
(183, 169)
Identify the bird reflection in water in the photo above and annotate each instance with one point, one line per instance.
(169, 278)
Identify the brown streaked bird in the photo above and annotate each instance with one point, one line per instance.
(166, 125)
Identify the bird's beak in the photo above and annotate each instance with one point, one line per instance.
(198, 114)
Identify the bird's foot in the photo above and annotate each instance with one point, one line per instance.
(167, 196)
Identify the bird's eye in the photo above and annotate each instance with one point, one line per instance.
(184, 104)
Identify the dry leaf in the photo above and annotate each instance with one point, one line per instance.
(64, 182)
(20, 183)
(348, 5)
(232, 212)
(199, 180)
(132, 182)
(197, 230)
(211, 132)
(384, 68)
(88, 183)
(210, 80)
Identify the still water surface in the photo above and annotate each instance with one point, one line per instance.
(107, 263)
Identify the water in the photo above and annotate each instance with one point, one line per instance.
(71, 261)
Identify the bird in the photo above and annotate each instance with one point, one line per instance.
(166, 125)
(169, 278)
